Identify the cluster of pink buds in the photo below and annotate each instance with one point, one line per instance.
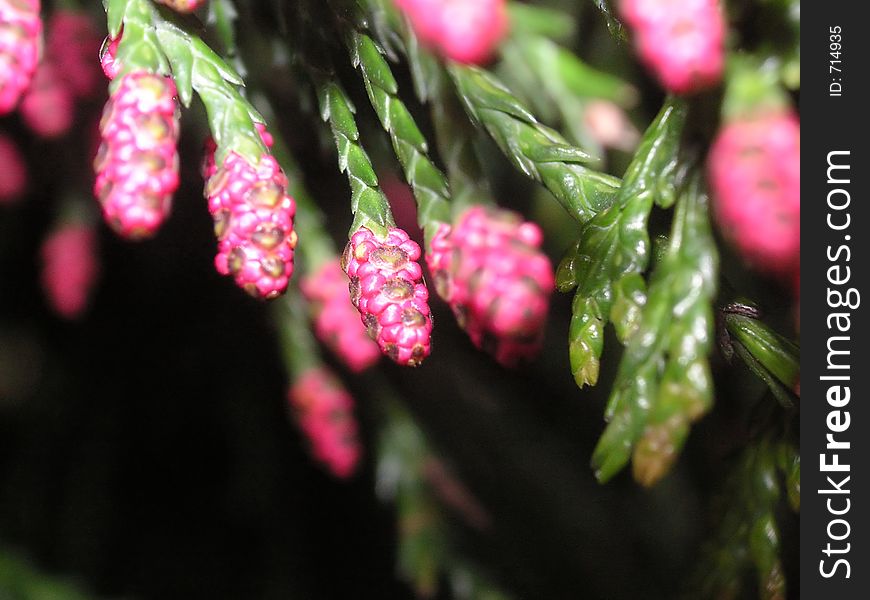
(324, 411)
(336, 321)
(137, 163)
(182, 6)
(253, 220)
(386, 286)
(682, 41)
(754, 168)
(491, 271)
(13, 174)
(20, 32)
(70, 268)
(467, 31)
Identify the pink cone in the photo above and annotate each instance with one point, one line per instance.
(324, 411)
(466, 31)
(182, 6)
(70, 267)
(336, 321)
(48, 107)
(681, 41)
(386, 286)
(13, 173)
(137, 163)
(253, 216)
(754, 168)
(20, 32)
(71, 45)
(491, 271)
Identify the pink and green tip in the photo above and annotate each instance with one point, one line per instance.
(681, 41)
(253, 220)
(386, 286)
(137, 163)
(324, 411)
(336, 321)
(20, 33)
(754, 169)
(490, 269)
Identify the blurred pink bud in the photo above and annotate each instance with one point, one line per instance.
(70, 267)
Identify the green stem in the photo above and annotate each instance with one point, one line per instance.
(454, 133)
(775, 354)
(139, 48)
(159, 41)
(299, 348)
(428, 183)
(368, 203)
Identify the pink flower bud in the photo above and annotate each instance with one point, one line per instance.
(386, 286)
(324, 411)
(70, 267)
(466, 31)
(48, 107)
(336, 321)
(253, 220)
(681, 41)
(489, 268)
(754, 168)
(137, 163)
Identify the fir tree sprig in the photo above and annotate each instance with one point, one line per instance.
(538, 151)
(663, 382)
(429, 184)
(454, 133)
(368, 203)
(159, 41)
(613, 247)
(748, 534)
(556, 82)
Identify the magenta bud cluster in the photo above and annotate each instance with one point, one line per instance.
(253, 220)
(681, 41)
(490, 269)
(386, 286)
(324, 411)
(336, 321)
(20, 41)
(137, 163)
(754, 169)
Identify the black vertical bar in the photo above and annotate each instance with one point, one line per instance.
(835, 559)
